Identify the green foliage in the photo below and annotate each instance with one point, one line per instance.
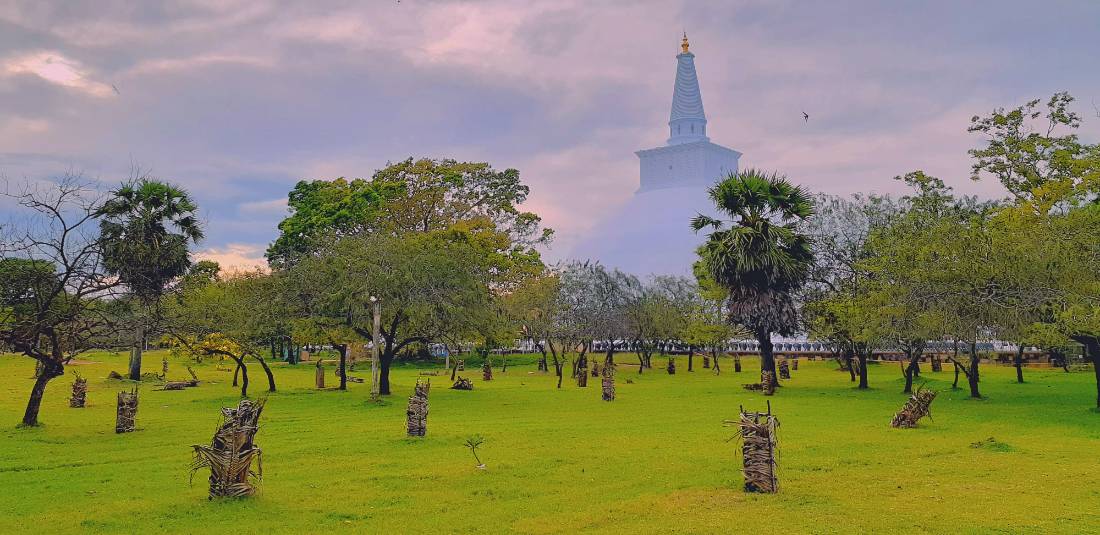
(1041, 165)
(146, 228)
(416, 196)
(321, 209)
(760, 257)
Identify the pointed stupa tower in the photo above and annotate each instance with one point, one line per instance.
(651, 233)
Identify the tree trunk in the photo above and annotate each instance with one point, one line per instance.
(34, 404)
(955, 385)
(1092, 352)
(910, 370)
(849, 355)
(861, 358)
(767, 358)
(244, 376)
(236, 374)
(972, 377)
(1019, 362)
(691, 354)
(135, 355)
(267, 370)
(736, 363)
(384, 376)
(610, 358)
(343, 369)
(641, 362)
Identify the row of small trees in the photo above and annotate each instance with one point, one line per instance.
(935, 268)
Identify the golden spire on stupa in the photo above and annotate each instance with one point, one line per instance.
(684, 44)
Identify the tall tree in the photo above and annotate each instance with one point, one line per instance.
(146, 228)
(53, 282)
(760, 255)
(1036, 155)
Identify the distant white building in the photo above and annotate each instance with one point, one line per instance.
(651, 233)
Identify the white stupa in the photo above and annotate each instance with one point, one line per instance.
(651, 233)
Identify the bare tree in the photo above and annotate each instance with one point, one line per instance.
(53, 283)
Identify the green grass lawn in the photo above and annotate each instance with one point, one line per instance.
(656, 460)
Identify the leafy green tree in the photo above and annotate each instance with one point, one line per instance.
(838, 304)
(229, 317)
(1035, 154)
(322, 209)
(419, 196)
(431, 286)
(759, 256)
(146, 228)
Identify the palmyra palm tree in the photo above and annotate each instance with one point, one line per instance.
(146, 227)
(758, 255)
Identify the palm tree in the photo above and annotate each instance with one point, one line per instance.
(146, 227)
(758, 256)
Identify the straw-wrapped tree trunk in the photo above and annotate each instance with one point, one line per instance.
(794, 364)
(784, 370)
(230, 454)
(417, 412)
(767, 382)
(671, 366)
(126, 415)
(80, 393)
(608, 382)
(487, 371)
(759, 450)
(706, 362)
(918, 406)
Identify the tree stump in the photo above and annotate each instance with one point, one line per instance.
(463, 384)
(608, 382)
(706, 362)
(767, 382)
(794, 364)
(671, 366)
(737, 363)
(462, 365)
(582, 377)
(918, 406)
(487, 371)
(595, 369)
(127, 411)
(231, 452)
(784, 370)
(80, 393)
(319, 376)
(937, 364)
(759, 448)
(417, 412)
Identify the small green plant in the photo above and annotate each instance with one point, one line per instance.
(474, 442)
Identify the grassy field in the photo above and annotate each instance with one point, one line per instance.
(657, 460)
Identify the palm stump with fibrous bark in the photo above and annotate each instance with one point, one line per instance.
(608, 382)
(767, 382)
(230, 454)
(671, 366)
(918, 406)
(417, 412)
(759, 449)
(126, 415)
(487, 371)
(80, 393)
(784, 370)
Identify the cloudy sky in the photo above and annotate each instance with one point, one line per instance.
(239, 100)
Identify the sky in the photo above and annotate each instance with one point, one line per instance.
(239, 100)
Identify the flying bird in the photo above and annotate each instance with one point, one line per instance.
(116, 90)
(805, 116)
